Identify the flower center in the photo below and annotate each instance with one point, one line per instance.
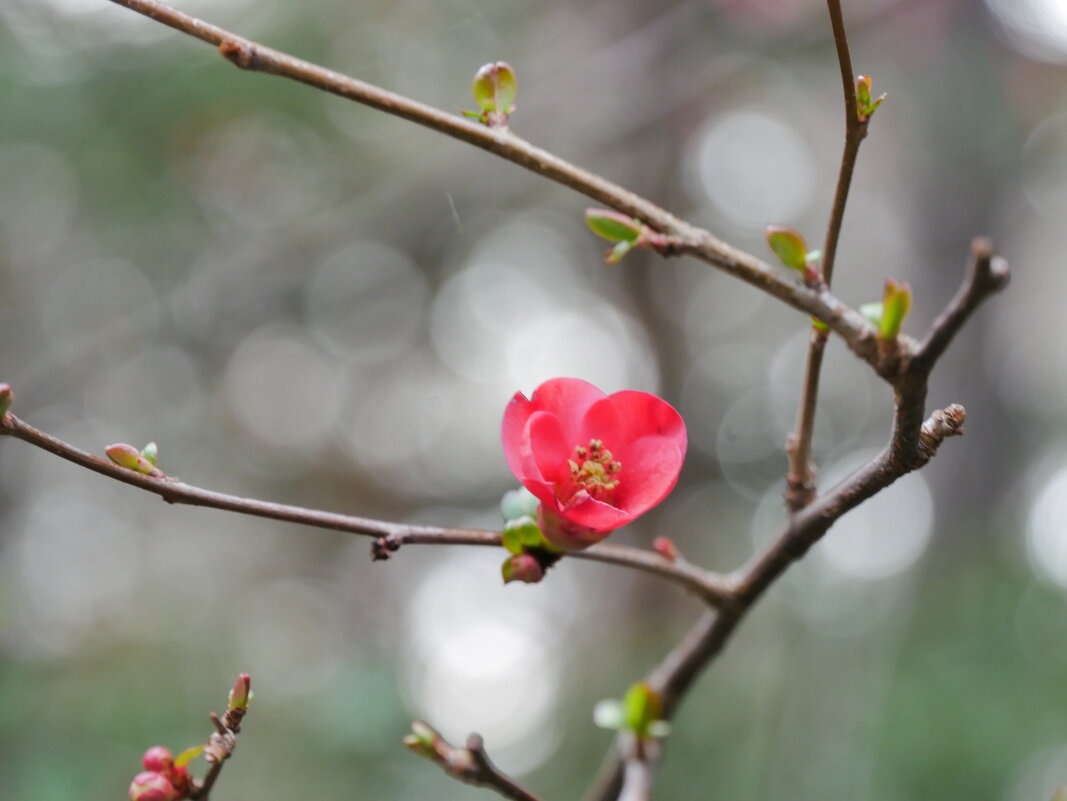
(594, 470)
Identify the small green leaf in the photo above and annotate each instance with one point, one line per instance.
(7, 397)
(896, 303)
(151, 452)
(495, 88)
(819, 325)
(863, 91)
(788, 245)
(873, 313)
(613, 226)
(520, 534)
(641, 706)
(614, 256)
(188, 755)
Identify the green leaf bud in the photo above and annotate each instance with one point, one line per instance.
(788, 245)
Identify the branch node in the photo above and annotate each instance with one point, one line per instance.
(383, 548)
(240, 53)
(943, 423)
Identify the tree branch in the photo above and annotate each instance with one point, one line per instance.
(987, 274)
(470, 764)
(682, 237)
(390, 536)
(675, 675)
(800, 482)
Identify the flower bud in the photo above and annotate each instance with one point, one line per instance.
(152, 786)
(7, 397)
(158, 759)
(522, 567)
(788, 245)
(518, 503)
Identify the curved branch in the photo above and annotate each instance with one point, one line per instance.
(710, 587)
(682, 237)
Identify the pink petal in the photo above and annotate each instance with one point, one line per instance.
(548, 451)
(568, 399)
(512, 432)
(641, 415)
(602, 422)
(590, 513)
(649, 473)
(542, 490)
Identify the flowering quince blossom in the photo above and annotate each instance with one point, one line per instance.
(594, 461)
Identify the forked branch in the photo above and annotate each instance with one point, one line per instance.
(681, 236)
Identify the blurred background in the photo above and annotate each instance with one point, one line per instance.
(307, 301)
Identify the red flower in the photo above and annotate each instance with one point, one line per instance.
(595, 461)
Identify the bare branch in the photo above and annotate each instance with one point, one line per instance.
(682, 237)
(470, 764)
(987, 273)
(800, 482)
(710, 587)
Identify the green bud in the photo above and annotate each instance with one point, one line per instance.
(151, 452)
(819, 325)
(613, 226)
(518, 503)
(788, 245)
(422, 740)
(896, 303)
(129, 457)
(7, 397)
(865, 107)
(641, 706)
(521, 534)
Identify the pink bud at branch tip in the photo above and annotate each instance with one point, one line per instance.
(241, 692)
(158, 759)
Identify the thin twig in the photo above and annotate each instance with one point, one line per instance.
(681, 237)
(800, 482)
(709, 586)
(986, 274)
(470, 764)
